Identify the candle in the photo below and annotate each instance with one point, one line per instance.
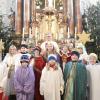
(1, 40)
(75, 32)
(45, 3)
(29, 37)
(68, 33)
(23, 34)
(36, 30)
(50, 3)
(75, 29)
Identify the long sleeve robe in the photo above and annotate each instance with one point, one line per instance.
(80, 81)
(38, 66)
(51, 83)
(3, 71)
(94, 81)
(3, 79)
(9, 64)
(24, 83)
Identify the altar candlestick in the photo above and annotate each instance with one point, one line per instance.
(68, 33)
(75, 32)
(23, 34)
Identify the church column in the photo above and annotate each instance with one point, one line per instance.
(65, 10)
(71, 14)
(79, 17)
(34, 8)
(30, 17)
(18, 17)
(65, 7)
(33, 16)
(46, 3)
(26, 16)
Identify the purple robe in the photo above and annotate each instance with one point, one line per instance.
(24, 83)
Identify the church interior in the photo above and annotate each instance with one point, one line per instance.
(36, 18)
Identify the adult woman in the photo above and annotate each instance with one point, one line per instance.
(93, 73)
(9, 62)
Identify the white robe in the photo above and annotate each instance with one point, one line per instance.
(3, 76)
(10, 60)
(94, 81)
(9, 63)
(15, 59)
(51, 84)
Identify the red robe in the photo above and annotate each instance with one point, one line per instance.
(1, 95)
(38, 66)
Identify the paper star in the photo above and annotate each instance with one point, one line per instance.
(84, 37)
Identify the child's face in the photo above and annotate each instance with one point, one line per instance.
(23, 49)
(36, 52)
(52, 63)
(92, 60)
(74, 57)
(12, 50)
(80, 50)
(24, 64)
(65, 49)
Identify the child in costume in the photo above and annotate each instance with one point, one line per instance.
(24, 80)
(51, 82)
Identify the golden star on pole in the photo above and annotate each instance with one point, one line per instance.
(84, 37)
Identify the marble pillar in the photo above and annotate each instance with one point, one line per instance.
(18, 17)
(26, 16)
(79, 17)
(33, 16)
(46, 3)
(71, 14)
